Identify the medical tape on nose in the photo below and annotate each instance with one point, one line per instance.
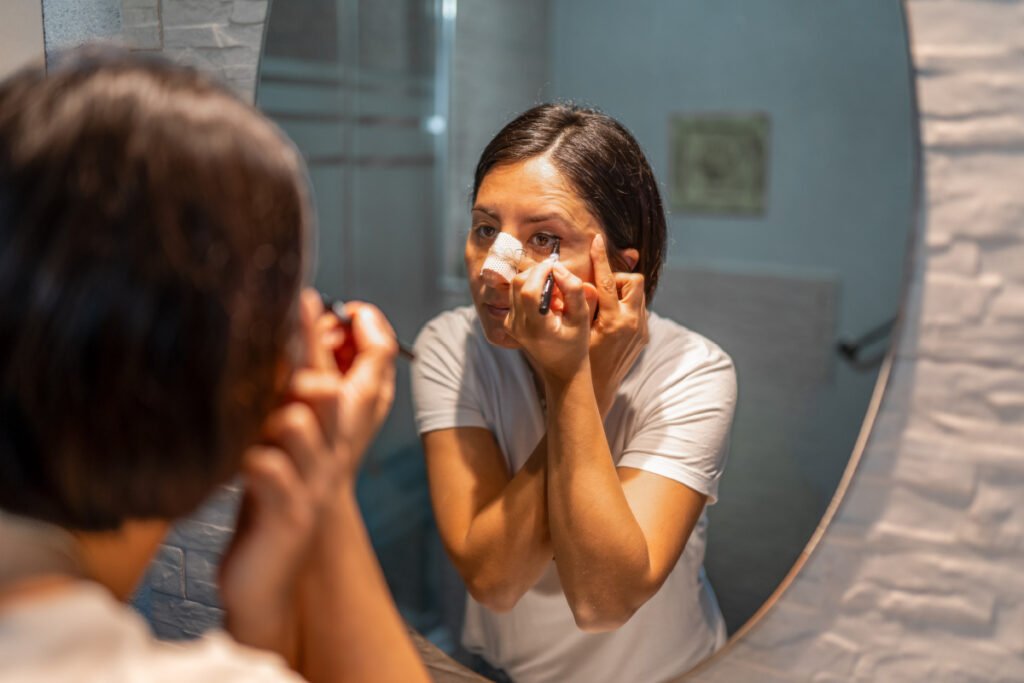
(503, 257)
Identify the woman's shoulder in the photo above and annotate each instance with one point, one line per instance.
(685, 349)
(680, 369)
(452, 328)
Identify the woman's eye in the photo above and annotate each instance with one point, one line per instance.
(543, 241)
(485, 231)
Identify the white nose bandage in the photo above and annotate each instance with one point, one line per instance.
(504, 257)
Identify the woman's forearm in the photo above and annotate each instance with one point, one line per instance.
(508, 545)
(600, 549)
(351, 628)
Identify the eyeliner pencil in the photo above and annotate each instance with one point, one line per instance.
(549, 284)
(337, 307)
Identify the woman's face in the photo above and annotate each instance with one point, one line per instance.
(533, 202)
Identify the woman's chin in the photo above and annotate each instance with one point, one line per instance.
(497, 336)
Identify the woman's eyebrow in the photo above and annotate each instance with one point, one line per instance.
(543, 218)
(487, 210)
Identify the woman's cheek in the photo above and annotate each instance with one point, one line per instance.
(580, 267)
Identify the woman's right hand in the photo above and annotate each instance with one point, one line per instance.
(311, 448)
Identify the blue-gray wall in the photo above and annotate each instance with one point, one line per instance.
(824, 262)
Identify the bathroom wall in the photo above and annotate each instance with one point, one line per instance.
(921, 575)
(68, 23)
(499, 68)
(21, 35)
(358, 96)
(824, 261)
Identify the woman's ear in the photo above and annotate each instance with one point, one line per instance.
(631, 257)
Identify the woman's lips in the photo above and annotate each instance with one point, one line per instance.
(496, 312)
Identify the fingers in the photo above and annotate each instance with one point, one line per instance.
(530, 283)
(313, 322)
(631, 286)
(527, 289)
(591, 295)
(274, 488)
(568, 298)
(573, 293)
(295, 429)
(604, 278)
(373, 367)
(321, 391)
(371, 331)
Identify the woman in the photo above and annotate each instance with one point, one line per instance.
(571, 454)
(153, 344)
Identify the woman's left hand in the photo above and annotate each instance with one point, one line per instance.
(558, 341)
(619, 332)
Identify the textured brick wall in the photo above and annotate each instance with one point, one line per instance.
(179, 592)
(220, 36)
(921, 576)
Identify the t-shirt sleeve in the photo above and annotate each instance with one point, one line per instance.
(684, 421)
(444, 389)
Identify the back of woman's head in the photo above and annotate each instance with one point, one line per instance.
(606, 166)
(150, 242)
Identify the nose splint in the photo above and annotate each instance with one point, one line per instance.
(504, 257)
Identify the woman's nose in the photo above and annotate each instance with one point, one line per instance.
(493, 279)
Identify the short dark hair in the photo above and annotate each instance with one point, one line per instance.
(605, 165)
(151, 231)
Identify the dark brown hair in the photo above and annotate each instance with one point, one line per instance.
(151, 227)
(605, 165)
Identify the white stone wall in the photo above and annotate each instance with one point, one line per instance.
(68, 23)
(921, 576)
(222, 37)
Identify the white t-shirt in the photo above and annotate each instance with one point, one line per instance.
(83, 635)
(671, 416)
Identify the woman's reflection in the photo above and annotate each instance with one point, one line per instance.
(571, 454)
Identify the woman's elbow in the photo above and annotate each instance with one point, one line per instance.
(592, 617)
(495, 596)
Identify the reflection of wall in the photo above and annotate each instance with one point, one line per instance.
(921, 575)
(359, 113)
(832, 79)
(21, 34)
(499, 69)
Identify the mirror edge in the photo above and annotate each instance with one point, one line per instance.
(917, 218)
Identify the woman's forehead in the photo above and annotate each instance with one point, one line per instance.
(531, 189)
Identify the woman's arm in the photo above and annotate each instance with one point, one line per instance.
(352, 629)
(494, 526)
(301, 577)
(616, 534)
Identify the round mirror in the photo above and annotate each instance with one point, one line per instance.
(782, 136)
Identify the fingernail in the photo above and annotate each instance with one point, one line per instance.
(599, 240)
